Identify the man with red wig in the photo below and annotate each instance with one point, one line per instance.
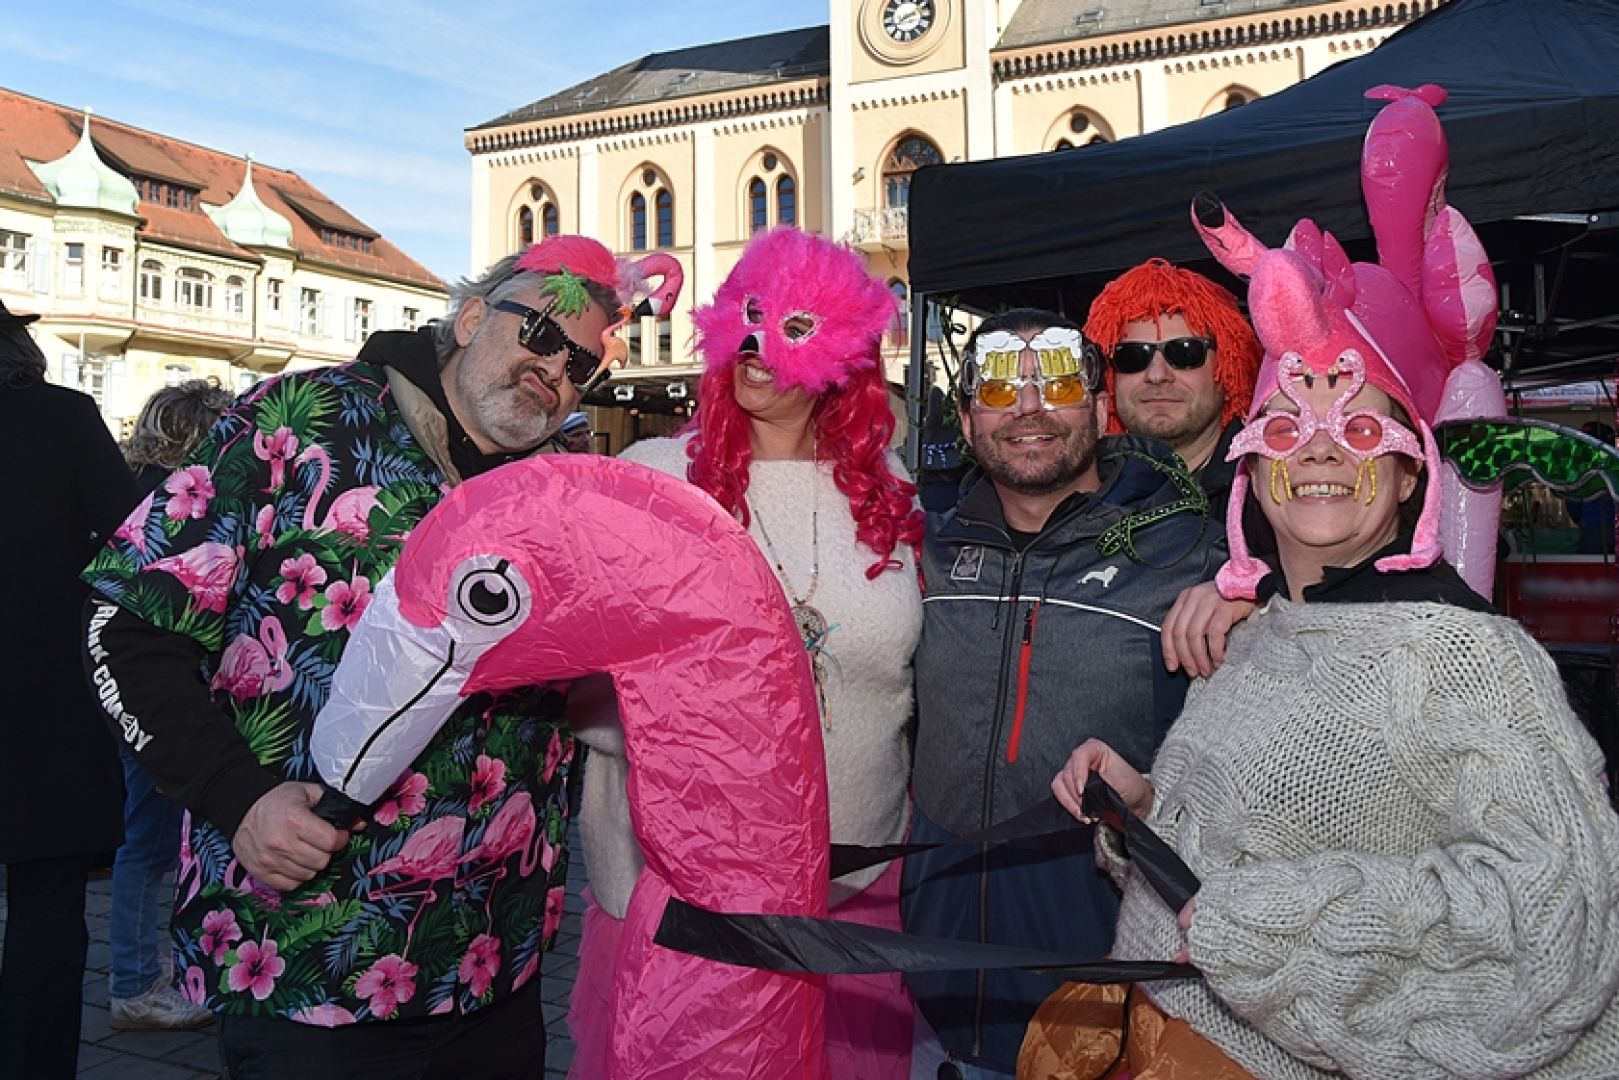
(1181, 366)
(223, 605)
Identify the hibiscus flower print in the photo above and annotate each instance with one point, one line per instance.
(488, 781)
(304, 577)
(387, 984)
(529, 969)
(407, 796)
(345, 602)
(480, 964)
(278, 449)
(256, 969)
(189, 490)
(219, 933)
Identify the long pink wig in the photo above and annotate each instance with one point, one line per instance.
(783, 274)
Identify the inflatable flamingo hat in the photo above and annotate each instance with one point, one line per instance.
(1416, 324)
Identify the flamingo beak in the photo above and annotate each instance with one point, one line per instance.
(395, 687)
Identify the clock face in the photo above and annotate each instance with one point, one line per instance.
(907, 20)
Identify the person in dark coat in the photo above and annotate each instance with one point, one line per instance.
(65, 488)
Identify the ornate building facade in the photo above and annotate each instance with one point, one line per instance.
(693, 151)
(153, 260)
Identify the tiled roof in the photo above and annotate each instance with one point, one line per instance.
(321, 211)
(41, 131)
(702, 69)
(1042, 22)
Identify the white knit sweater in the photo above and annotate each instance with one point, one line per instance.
(866, 672)
(1409, 864)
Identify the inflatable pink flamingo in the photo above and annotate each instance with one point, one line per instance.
(1435, 254)
(560, 567)
(1430, 297)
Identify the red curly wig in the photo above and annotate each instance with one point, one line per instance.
(1156, 288)
(853, 428)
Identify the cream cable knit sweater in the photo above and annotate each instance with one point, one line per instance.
(867, 675)
(1409, 865)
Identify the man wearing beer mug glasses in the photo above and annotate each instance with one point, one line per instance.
(1032, 411)
(1048, 579)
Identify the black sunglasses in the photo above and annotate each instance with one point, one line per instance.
(1182, 354)
(540, 335)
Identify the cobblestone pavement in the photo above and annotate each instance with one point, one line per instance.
(105, 1054)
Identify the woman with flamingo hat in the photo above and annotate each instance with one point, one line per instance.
(1409, 864)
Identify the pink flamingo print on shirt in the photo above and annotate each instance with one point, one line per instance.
(349, 512)
(252, 667)
(510, 831)
(430, 855)
(207, 571)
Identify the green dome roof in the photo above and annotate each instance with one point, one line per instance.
(81, 179)
(247, 221)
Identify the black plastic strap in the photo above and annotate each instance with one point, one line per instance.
(1046, 826)
(802, 944)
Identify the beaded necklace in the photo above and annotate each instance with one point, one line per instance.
(812, 625)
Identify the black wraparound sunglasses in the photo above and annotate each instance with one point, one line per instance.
(1182, 354)
(540, 335)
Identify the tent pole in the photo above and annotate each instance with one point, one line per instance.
(917, 381)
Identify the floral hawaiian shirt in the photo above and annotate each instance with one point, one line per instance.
(265, 549)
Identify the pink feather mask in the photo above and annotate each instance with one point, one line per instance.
(801, 306)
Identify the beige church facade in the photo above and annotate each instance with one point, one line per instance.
(691, 152)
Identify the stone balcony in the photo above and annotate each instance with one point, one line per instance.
(882, 226)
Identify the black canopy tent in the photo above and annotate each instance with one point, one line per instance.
(1533, 124)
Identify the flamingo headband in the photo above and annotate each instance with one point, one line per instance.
(567, 263)
(1400, 324)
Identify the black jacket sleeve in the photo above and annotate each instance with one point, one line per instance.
(106, 488)
(149, 683)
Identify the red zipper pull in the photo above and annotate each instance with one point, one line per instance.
(1025, 653)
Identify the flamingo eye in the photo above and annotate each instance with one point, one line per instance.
(489, 596)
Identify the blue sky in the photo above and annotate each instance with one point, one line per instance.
(367, 99)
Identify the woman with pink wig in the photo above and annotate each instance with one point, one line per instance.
(792, 436)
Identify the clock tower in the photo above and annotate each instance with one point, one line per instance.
(910, 87)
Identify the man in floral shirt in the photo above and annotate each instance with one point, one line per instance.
(223, 605)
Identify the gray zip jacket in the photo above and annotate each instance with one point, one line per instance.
(1024, 655)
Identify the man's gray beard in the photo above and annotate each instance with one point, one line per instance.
(510, 426)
